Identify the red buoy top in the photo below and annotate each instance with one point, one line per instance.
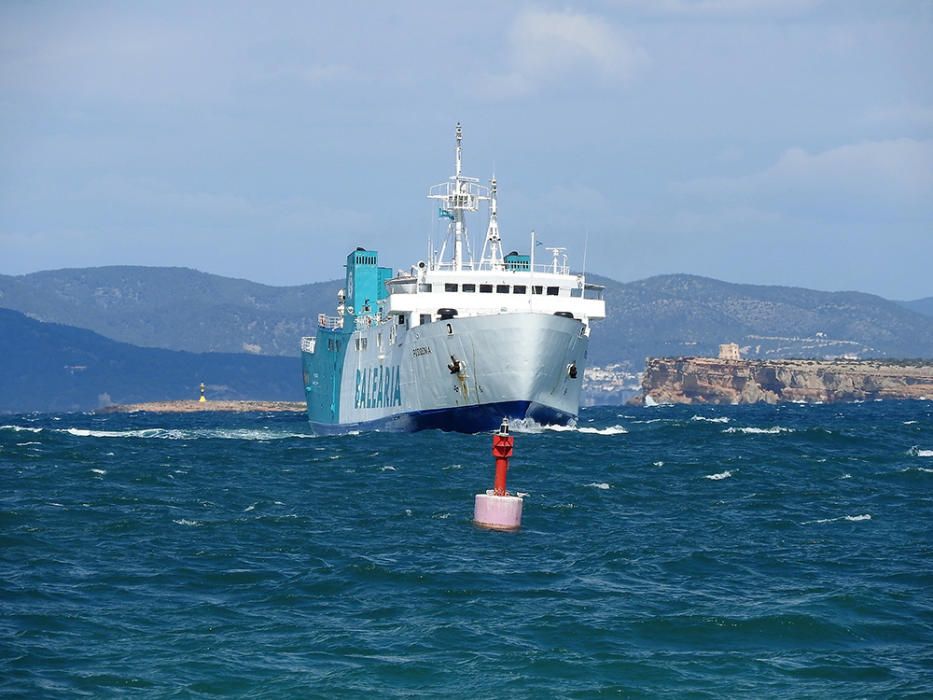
(502, 447)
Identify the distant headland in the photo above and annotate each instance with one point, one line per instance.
(206, 407)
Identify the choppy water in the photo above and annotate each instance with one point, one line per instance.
(671, 551)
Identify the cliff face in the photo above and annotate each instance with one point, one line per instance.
(706, 380)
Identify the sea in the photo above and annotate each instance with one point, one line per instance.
(671, 551)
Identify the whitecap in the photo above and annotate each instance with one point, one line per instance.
(611, 430)
(917, 452)
(389, 468)
(441, 516)
(704, 419)
(189, 523)
(21, 428)
(846, 476)
(408, 512)
(910, 422)
(250, 507)
(850, 518)
(599, 485)
(27, 444)
(774, 430)
(658, 463)
(174, 434)
(527, 425)
(99, 471)
(719, 476)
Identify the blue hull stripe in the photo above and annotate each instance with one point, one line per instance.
(463, 419)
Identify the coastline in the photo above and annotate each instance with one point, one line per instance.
(194, 406)
(701, 380)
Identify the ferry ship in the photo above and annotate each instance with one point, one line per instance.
(453, 343)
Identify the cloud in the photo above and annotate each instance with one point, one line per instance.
(721, 9)
(909, 116)
(547, 48)
(893, 171)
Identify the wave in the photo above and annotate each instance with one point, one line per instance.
(719, 476)
(189, 523)
(774, 430)
(705, 419)
(850, 518)
(612, 430)
(177, 434)
(530, 426)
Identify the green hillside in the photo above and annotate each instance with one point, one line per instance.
(672, 315)
(172, 307)
(51, 367)
(182, 309)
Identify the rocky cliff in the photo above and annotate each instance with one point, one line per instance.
(706, 380)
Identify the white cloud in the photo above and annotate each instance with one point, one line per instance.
(909, 116)
(893, 170)
(546, 48)
(721, 9)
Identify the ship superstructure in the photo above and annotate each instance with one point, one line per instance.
(453, 343)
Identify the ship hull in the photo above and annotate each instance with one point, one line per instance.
(456, 374)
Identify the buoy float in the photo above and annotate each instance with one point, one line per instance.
(497, 509)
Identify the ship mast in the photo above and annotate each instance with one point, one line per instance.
(459, 195)
(493, 243)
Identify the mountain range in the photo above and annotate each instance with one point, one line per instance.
(144, 333)
(51, 367)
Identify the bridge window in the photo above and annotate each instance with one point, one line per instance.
(552, 291)
(519, 289)
(537, 289)
(425, 318)
(450, 287)
(361, 343)
(485, 289)
(502, 289)
(424, 287)
(469, 287)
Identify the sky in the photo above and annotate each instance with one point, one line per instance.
(756, 141)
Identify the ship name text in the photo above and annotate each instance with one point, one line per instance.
(378, 387)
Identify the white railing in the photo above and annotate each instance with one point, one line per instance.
(330, 322)
(307, 343)
(547, 268)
